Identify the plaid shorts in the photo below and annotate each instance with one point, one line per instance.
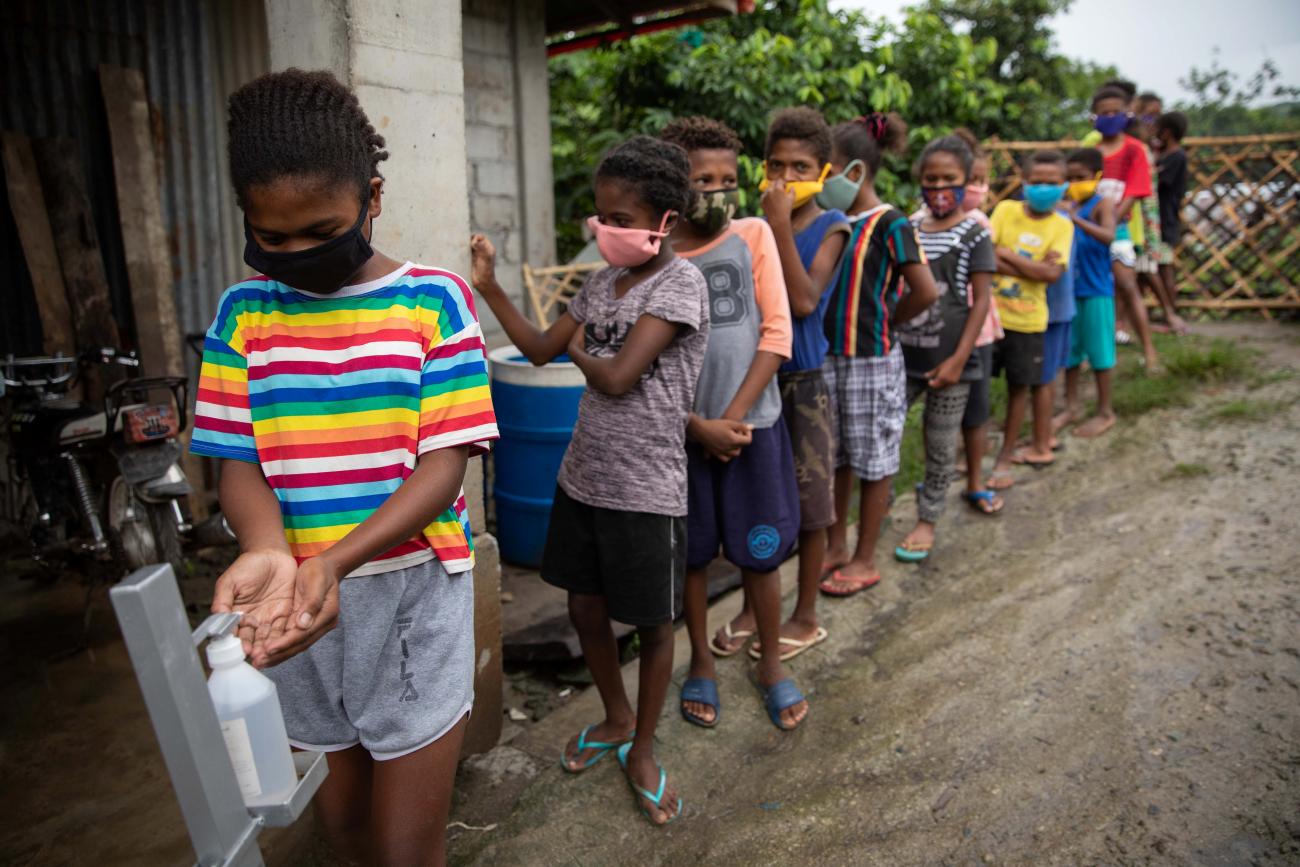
(868, 408)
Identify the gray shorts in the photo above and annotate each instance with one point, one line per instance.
(868, 409)
(394, 675)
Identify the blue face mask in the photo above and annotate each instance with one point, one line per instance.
(1043, 197)
(1111, 124)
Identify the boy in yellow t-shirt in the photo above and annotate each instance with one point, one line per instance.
(1033, 243)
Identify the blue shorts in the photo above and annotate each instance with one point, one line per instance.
(1056, 350)
(747, 506)
(1093, 336)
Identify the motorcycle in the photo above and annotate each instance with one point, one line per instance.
(103, 481)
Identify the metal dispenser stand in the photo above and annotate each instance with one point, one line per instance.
(163, 653)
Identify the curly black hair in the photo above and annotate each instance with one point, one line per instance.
(802, 123)
(949, 144)
(869, 137)
(1090, 158)
(658, 170)
(701, 133)
(1106, 91)
(1045, 156)
(1175, 122)
(300, 123)
(1124, 86)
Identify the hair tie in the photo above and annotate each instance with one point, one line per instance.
(876, 124)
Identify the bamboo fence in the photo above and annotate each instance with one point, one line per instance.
(1241, 219)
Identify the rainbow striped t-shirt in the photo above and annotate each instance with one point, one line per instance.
(337, 396)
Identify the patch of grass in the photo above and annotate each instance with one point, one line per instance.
(1262, 378)
(1245, 409)
(1133, 396)
(1217, 360)
(1187, 471)
(1188, 362)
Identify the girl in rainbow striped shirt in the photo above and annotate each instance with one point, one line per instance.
(344, 391)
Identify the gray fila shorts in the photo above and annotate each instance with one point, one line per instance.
(396, 672)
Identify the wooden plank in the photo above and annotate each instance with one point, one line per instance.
(28, 205)
(144, 241)
(72, 224)
(139, 206)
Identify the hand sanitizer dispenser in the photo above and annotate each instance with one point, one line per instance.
(248, 709)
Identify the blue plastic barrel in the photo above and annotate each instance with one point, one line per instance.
(536, 410)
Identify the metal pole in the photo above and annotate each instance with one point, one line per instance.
(149, 609)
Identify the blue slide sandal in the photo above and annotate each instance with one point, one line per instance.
(602, 750)
(985, 502)
(782, 695)
(704, 691)
(645, 793)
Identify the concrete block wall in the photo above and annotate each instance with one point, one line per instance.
(508, 139)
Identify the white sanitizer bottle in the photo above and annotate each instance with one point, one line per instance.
(248, 709)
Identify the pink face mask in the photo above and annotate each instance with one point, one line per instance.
(974, 197)
(627, 248)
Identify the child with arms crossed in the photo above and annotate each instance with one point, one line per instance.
(1032, 243)
(1092, 335)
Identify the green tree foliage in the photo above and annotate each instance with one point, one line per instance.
(1222, 105)
(1043, 94)
(945, 65)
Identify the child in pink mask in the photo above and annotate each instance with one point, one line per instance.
(617, 535)
(939, 345)
(974, 423)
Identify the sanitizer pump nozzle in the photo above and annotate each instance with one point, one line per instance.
(248, 709)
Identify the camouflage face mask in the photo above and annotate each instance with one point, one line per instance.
(713, 209)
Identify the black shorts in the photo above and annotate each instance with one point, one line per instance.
(977, 404)
(1021, 356)
(636, 560)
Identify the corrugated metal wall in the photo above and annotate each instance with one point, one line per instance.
(192, 54)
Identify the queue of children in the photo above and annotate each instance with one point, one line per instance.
(741, 374)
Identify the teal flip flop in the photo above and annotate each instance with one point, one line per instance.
(645, 793)
(602, 750)
(905, 554)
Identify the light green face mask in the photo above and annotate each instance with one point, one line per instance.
(713, 209)
(839, 191)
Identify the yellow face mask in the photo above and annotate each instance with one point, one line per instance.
(1081, 191)
(803, 190)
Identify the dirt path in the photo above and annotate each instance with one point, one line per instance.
(1107, 674)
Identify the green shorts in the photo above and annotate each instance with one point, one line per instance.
(1092, 336)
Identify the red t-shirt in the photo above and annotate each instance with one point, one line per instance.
(1126, 173)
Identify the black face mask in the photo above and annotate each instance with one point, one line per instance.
(323, 269)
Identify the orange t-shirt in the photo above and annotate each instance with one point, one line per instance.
(749, 311)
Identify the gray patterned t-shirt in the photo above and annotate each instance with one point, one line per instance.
(628, 452)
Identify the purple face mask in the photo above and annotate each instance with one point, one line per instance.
(1111, 124)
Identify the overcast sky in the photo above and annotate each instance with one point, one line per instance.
(1155, 42)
